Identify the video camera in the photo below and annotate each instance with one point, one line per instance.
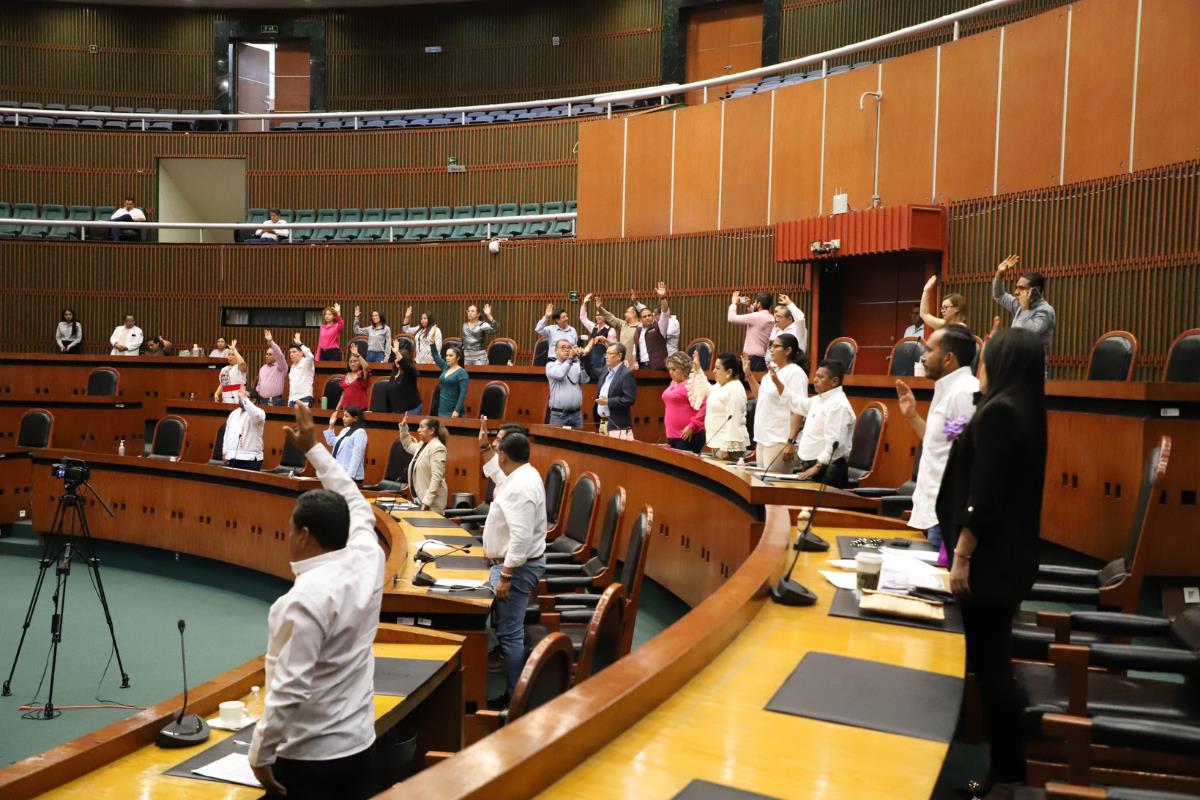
(73, 471)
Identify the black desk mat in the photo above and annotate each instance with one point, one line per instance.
(471, 594)
(845, 604)
(846, 550)
(431, 522)
(868, 694)
(393, 676)
(703, 790)
(461, 562)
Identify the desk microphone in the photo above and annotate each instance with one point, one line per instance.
(423, 579)
(421, 555)
(807, 540)
(184, 731)
(787, 592)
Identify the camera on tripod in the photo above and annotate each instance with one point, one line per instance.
(73, 471)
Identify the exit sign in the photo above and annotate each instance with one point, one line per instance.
(573, 296)
(268, 30)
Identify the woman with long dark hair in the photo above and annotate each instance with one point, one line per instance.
(452, 395)
(349, 445)
(378, 335)
(69, 334)
(989, 507)
(356, 383)
(402, 393)
(427, 469)
(725, 414)
(426, 335)
(782, 396)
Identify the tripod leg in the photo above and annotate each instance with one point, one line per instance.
(63, 571)
(49, 556)
(93, 563)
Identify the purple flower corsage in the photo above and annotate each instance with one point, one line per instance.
(954, 427)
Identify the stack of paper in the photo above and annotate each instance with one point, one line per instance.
(233, 768)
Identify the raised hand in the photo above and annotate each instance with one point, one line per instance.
(487, 309)
(408, 313)
(929, 284)
(357, 312)
(304, 435)
(599, 302)
(908, 403)
(267, 336)
(483, 432)
(783, 299)
(734, 300)
(995, 325)
(233, 345)
(297, 338)
(587, 298)
(1007, 263)
(661, 289)
(337, 309)
(549, 310)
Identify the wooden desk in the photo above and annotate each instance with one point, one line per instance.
(149, 380)
(95, 424)
(16, 485)
(120, 761)
(1099, 435)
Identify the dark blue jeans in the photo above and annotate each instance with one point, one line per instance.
(508, 616)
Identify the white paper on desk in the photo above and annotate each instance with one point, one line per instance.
(233, 768)
(458, 583)
(434, 544)
(843, 563)
(842, 580)
(929, 556)
(902, 571)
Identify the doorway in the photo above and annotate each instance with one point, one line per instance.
(721, 39)
(271, 76)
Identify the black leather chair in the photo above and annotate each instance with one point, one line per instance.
(1183, 359)
(1113, 356)
(977, 356)
(864, 452)
(844, 350)
(170, 438)
(541, 352)
(580, 523)
(395, 473)
(379, 399)
(493, 402)
(548, 672)
(434, 397)
(218, 448)
(706, 350)
(36, 429)
(558, 478)
(501, 352)
(894, 501)
(332, 391)
(566, 574)
(602, 637)
(291, 460)
(451, 341)
(103, 382)
(904, 357)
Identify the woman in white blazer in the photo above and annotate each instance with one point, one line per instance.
(427, 470)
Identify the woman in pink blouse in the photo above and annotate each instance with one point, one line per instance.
(684, 403)
(329, 340)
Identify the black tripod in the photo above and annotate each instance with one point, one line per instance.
(60, 550)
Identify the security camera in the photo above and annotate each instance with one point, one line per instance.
(494, 246)
(825, 248)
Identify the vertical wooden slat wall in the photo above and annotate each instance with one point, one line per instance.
(178, 290)
(530, 162)
(1118, 253)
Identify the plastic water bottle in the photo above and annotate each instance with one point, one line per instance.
(255, 706)
(121, 448)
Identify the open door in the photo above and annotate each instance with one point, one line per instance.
(254, 64)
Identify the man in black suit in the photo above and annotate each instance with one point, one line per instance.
(618, 390)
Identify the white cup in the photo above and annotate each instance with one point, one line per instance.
(868, 565)
(919, 369)
(233, 713)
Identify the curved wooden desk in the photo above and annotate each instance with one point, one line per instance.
(95, 424)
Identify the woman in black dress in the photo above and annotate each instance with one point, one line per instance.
(990, 507)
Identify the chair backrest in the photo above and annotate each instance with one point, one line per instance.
(614, 515)
(904, 356)
(379, 390)
(332, 391)
(1131, 567)
(1183, 359)
(602, 642)
(1113, 356)
(218, 446)
(868, 433)
(978, 355)
(397, 462)
(541, 352)
(434, 397)
(407, 342)
(584, 509)
(170, 437)
(633, 569)
(103, 382)
(292, 458)
(557, 478)
(36, 429)
(706, 349)
(843, 349)
(546, 675)
(501, 352)
(493, 403)
(447, 341)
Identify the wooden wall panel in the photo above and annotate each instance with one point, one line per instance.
(850, 137)
(1168, 80)
(601, 192)
(1100, 89)
(906, 129)
(795, 192)
(967, 117)
(747, 157)
(648, 174)
(697, 167)
(1031, 102)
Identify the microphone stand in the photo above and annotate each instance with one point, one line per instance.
(183, 731)
(423, 579)
(787, 592)
(807, 540)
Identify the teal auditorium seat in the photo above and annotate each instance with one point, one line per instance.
(255, 216)
(416, 234)
(563, 226)
(325, 215)
(439, 214)
(349, 234)
(28, 211)
(461, 232)
(535, 229)
(58, 232)
(304, 215)
(7, 231)
(80, 214)
(517, 229)
(394, 215)
(371, 215)
(485, 210)
(507, 230)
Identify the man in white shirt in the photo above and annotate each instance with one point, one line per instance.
(790, 319)
(916, 326)
(300, 375)
(128, 212)
(127, 338)
(828, 428)
(242, 447)
(317, 731)
(269, 233)
(947, 359)
(514, 543)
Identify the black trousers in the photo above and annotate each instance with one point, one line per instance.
(758, 364)
(254, 466)
(835, 474)
(693, 445)
(347, 778)
(988, 628)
